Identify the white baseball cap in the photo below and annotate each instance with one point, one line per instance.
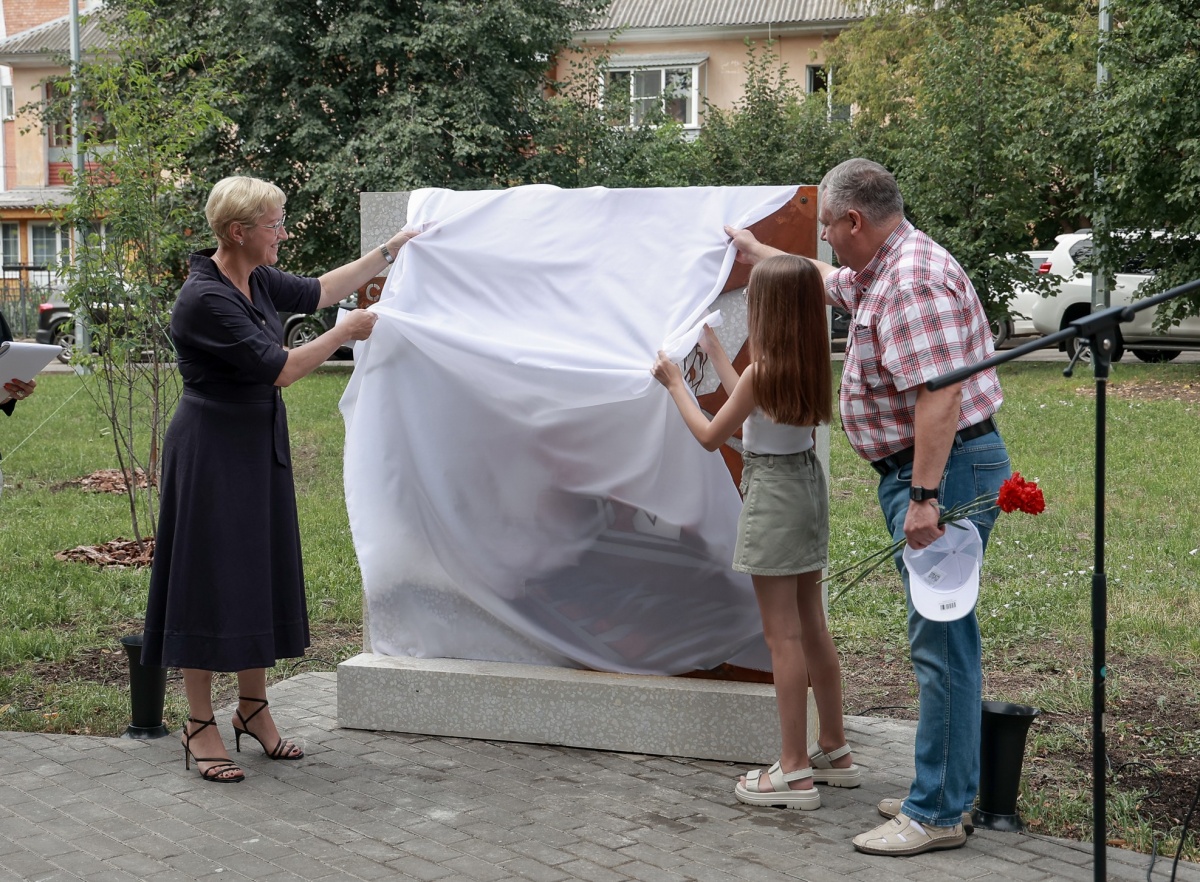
(943, 578)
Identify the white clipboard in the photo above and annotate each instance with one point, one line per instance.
(24, 361)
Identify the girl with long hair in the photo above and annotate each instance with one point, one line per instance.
(783, 531)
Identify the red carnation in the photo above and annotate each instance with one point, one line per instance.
(1017, 494)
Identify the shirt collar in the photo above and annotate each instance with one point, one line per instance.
(883, 257)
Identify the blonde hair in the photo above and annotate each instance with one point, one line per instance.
(240, 199)
(789, 341)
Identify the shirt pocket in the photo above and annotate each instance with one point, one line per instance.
(867, 367)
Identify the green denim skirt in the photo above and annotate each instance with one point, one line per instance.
(784, 526)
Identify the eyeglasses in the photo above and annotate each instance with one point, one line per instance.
(277, 226)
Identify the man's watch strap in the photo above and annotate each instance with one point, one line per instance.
(922, 494)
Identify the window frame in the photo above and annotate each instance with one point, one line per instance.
(631, 68)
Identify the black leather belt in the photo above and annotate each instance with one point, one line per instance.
(889, 464)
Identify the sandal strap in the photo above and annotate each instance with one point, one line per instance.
(216, 771)
(283, 748)
(833, 754)
(263, 704)
(781, 779)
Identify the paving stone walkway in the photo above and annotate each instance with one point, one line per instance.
(368, 805)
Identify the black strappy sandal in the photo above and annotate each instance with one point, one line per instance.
(218, 772)
(284, 750)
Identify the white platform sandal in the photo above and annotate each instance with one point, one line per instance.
(781, 796)
(825, 773)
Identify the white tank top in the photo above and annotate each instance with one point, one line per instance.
(761, 434)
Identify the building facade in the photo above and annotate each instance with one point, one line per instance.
(34, 49)
(680, 55)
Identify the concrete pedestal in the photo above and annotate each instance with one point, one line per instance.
(631, 713)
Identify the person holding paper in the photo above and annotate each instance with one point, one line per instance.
(227, 585)
(15, 389)
(783, 531)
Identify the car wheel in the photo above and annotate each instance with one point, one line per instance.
(304, 331)
(1076, 345)
(1001, 331)
(1156, 356)
(63, 334)
(1086, 358)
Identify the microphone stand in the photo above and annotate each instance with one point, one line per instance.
(1098, 330)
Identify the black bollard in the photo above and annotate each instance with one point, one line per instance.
(1001, 754)
(147, 693)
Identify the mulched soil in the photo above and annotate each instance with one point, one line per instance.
(1152, 390)
(115, 554)
(106, 481)
(1150, 730)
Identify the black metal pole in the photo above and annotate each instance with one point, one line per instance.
(1102, 347)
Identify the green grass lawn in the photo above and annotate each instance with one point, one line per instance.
(62, 669)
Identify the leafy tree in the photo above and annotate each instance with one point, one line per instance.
(1148, 125)
(773, 134)
(146, 111)
(964, 100)
(581, 135)
(345, 96)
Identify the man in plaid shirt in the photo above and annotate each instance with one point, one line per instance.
(915, 316)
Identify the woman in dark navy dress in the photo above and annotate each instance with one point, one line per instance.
(227, 585)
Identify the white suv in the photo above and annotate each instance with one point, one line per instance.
(1074, 300)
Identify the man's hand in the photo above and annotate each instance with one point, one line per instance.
(749, 249)
(921, 527)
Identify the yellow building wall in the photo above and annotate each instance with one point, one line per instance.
(29, 159)
(723, 77)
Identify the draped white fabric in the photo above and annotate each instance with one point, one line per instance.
(519, 486)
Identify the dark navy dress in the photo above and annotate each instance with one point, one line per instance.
(227, 584)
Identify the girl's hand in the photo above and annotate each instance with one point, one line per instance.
(709, 344)
(666, 371)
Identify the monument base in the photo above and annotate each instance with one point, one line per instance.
(500, 701)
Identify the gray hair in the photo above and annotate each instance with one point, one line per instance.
(240, 199)
(865, 186)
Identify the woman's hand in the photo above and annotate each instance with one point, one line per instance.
(359, 323)
(666, 371)
(18, 389)
(397, 241)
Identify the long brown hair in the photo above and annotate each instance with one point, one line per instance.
(789, 341)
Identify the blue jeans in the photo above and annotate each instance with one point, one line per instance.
(946, 656)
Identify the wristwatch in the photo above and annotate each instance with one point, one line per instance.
(922, 494)
(387, 255)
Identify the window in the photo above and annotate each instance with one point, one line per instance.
(658, 84)
(816, 81)
(10, 243)
(8, 109)
(45, 244)
(819, 80)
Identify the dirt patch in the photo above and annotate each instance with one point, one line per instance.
(1152, 727)
(1153, 390)
(116, 554)
(107, 481)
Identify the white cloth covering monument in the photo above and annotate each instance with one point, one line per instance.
(519, 487)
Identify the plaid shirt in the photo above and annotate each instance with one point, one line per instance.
(915, 317)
